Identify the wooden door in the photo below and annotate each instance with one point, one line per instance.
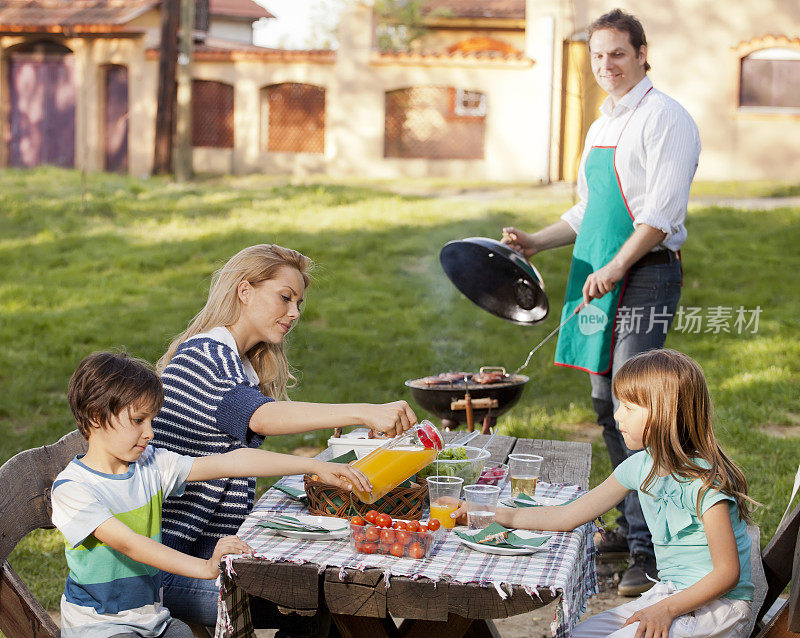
(116, 119)
(41, 110)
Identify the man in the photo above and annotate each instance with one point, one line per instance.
(638, 163)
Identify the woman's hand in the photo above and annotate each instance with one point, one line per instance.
(390, 419)
(520, 241)
(654, 621)
(342, 475)
(226, 545)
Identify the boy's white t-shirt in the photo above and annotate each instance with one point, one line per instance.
(106, 592)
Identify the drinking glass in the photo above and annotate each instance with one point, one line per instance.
(443, 492)
(524, 471)
(481, 504)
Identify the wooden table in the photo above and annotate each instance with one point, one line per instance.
(362, 605)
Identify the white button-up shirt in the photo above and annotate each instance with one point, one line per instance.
(655, 160)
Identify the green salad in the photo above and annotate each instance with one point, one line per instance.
(467, 469)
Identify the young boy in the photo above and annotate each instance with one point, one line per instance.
(107, 503)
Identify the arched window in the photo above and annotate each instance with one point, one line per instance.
(435, 122)
(771, 78)
(212, 114)
(293, 118)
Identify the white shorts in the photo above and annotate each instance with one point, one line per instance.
(725, 617)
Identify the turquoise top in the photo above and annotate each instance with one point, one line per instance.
(679, 538)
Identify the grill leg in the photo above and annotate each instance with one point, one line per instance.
(489, 422)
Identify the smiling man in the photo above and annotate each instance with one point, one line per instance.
(638, 162)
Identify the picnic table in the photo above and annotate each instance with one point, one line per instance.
(453, 593)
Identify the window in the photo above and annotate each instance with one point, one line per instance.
(293, 117)
(212, 114)
(434, 122)
(771, 78)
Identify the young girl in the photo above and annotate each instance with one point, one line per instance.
(694, 500)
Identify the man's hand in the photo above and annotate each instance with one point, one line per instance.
(390, 419)
(602, 281)
(520, 241)
(654, 621)
(342, 475)
(226, 545)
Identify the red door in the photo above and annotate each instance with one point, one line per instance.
(42, 110)
(116, 119)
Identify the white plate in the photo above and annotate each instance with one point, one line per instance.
(541, 500)
(506, 551)
(337, 527)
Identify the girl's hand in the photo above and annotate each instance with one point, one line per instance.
(654, 621)
(519, 241)
(226, 545)
(390, 419)
(460, 515)
(342, 475)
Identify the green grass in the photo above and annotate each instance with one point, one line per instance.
(129, 265)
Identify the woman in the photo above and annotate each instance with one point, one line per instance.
(225, 380)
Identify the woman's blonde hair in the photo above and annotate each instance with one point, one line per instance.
(254, 264)
(679, 432)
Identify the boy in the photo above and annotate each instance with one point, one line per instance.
(107, 503)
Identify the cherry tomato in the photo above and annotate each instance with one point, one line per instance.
(383, 548)
(372, 534)
(359, 536)
(400, 525)
(412, 526)
(434, 524)
(383, 520)
(398, 549)
(423, 527)
(415, 550)
(371, 516)
(369, 548)
(403, 537)
(357, 520)
(387, 536)
(396, 525)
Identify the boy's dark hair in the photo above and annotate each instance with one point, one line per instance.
(106, 383)
(619, 20)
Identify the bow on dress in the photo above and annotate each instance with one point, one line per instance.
(671, 515)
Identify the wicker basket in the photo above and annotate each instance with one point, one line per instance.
(404, 502)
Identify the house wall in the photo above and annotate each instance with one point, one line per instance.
(695, 47)
(235, 30)
(438, 40)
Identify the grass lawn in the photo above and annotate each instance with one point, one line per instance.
(128, 264)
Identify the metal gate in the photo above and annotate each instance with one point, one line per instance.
(41, 110)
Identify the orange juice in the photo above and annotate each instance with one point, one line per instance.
(386, 468)
(441, 512)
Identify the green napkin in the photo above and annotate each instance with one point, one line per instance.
(347, 457)
(290, 523)
(514, 539)
(293, 492)
(523, 500)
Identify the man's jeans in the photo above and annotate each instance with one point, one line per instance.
(195, 600)
(646, 310)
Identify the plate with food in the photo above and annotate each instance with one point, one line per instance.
(303, 526)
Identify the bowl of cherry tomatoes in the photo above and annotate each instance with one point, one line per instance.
(376, 533)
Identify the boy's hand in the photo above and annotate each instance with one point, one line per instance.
(654, 621)
(342, 475)
(226, 545)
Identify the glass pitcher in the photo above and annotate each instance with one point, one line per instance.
(398, 459)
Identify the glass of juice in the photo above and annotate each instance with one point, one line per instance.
(443, 492)
(524, 471)
(481, 504)
(398, 459)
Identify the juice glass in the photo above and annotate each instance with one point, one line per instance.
(524, 471)
(398, 459)
(444, 492)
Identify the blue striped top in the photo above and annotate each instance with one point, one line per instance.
(209, 398)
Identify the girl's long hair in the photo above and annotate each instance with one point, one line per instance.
(678, 432)
(254, 264)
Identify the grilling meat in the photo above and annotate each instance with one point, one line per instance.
(446, 378)
(485, 378)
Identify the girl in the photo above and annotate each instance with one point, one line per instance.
(694, 500)
(225, 379)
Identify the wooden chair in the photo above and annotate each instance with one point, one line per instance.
(26, 480)
(781, 562)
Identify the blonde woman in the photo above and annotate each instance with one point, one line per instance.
(225, 380)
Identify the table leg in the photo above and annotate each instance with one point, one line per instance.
(454, 627)
(360, 626)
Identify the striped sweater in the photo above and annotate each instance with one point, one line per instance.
(209, 399)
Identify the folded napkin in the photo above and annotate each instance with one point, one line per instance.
(347, 457)
(290, 523)
(515, 538)
(523, 500)
(293, 493)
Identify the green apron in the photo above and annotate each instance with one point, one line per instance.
(607, 224)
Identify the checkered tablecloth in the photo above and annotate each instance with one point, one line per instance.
(565, 566)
